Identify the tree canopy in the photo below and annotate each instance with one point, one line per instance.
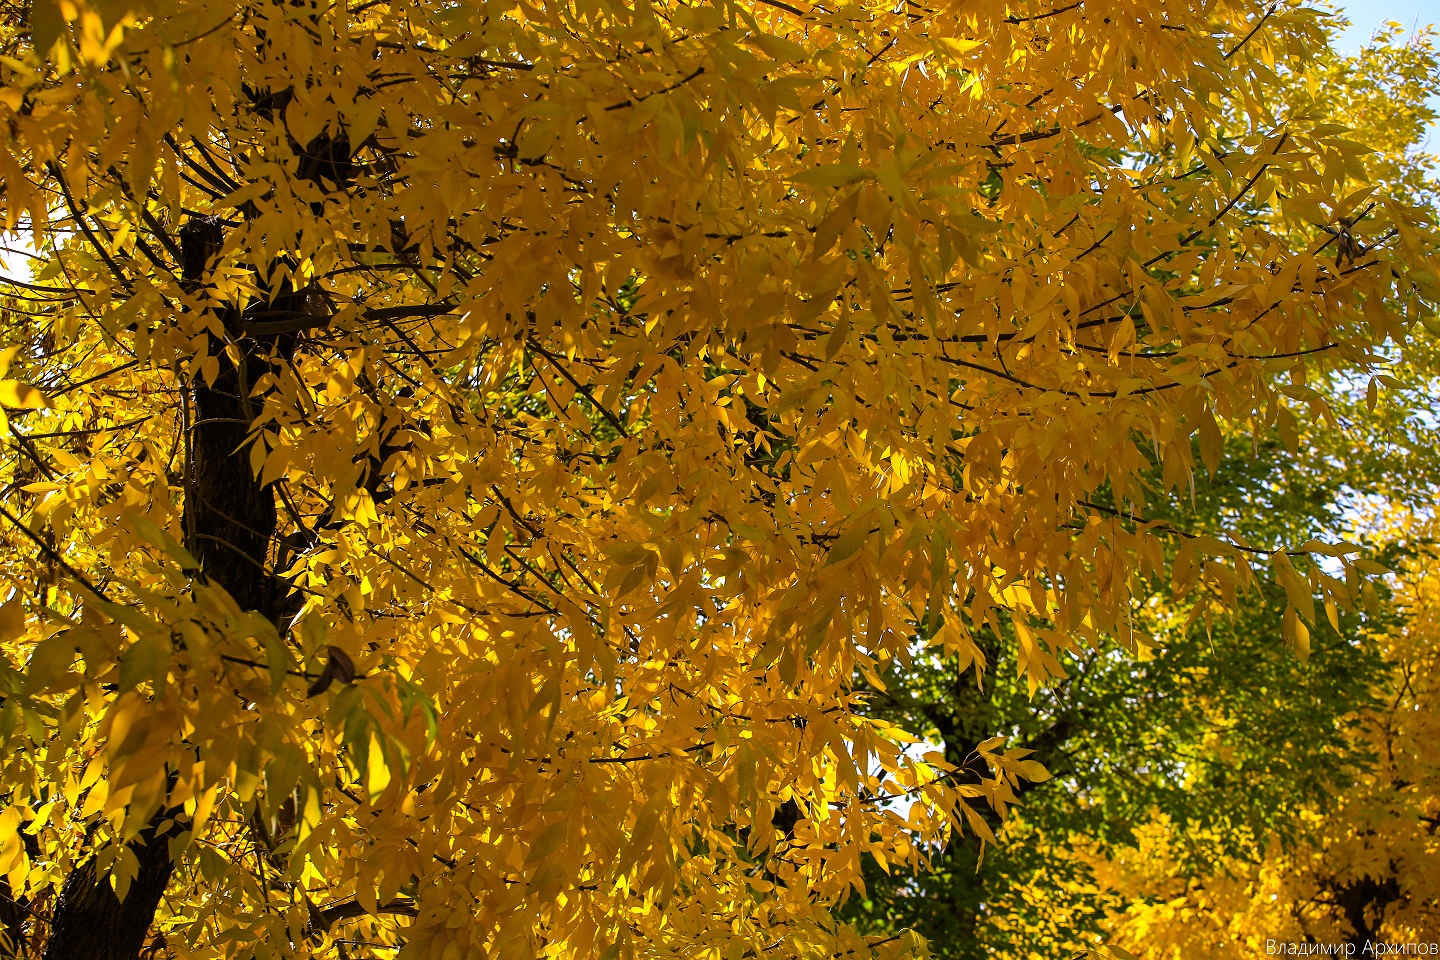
(1219, 761)
(465, 464)
(1363, 869)
(1219, 741)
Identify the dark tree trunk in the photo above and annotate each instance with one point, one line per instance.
(230, 521)
(229, 518)
(92, 923)
(13, 914)
(1362, 902)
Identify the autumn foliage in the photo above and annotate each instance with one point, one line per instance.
(467, 467)
(1364, 868)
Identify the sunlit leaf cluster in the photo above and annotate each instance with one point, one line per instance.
(462, 460)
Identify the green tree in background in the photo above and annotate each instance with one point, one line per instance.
(1217, 731)
(1222, 728)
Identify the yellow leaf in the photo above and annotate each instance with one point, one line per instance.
(12, 620)
(1296, 633)
(21, 396)
(834, 175)
(1034, 771)
(956, 46)
(851, 539)
(46, 24)
(50, 662)
(1211, 442)
(377, 772)
(779, 47)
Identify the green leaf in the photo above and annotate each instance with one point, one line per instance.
(547, 843)
(850, 540)
(154, 534)
(140, 661)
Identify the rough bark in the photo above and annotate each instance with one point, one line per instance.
(230, 521)
(90, 922)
